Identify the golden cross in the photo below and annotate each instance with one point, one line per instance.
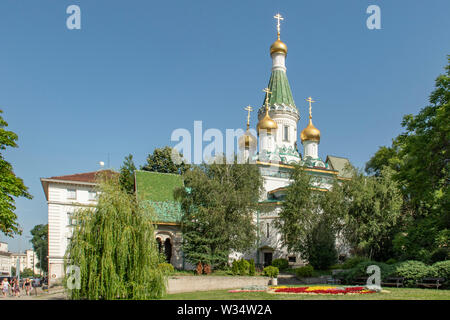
(278, 17)
(248, 109)
(310, 100)
(267, 91)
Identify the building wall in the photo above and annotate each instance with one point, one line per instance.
(60, 206)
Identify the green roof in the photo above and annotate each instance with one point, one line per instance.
(156, 186)
(339, 164)
(156, 189)
(280, 88)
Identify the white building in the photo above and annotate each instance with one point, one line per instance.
(5, 260)
(64, 195)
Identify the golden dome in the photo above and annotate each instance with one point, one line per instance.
(310, 133)
(278, 46)
(267, 124)
(247, 141)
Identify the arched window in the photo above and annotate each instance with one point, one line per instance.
(158, 240)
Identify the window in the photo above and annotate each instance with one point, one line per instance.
(292, 259)
(286, 133)
(71, 194)
(92, 195)
(268, 229)
(71, 221)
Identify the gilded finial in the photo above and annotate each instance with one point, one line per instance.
(278, 17)
(267, 91)
(248, 109)
(310, 100)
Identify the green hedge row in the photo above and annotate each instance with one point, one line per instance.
(411, 270)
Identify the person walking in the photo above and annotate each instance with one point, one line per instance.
(16, 288)
(5, 286)
(27, 286)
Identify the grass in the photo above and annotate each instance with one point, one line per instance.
(392, 294)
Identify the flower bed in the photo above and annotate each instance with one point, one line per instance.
(322, 290)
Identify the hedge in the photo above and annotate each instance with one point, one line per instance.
(271, 271)
(304, 272)
(281, 264)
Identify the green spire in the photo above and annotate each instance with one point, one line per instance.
(281, 90)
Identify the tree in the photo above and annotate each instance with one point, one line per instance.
(166, 160)
(299, 214)
(126, 177)
(420, 160)
(39, 241)
(115, 249)
(11, 186)
(218, 203)
(372, 209)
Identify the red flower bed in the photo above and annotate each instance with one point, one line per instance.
(359, 290)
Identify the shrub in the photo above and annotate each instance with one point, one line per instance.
(251, 269)
(271, 271)
(391, 261)
(440, 254)
(353, 261)
(281, 264)
(243, 267)
(166, 268)
(235, 267)
(304, 272)
(360, 270)
(412, 271)
(442, 270)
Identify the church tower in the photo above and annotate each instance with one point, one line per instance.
(278, 116)
(310, 137)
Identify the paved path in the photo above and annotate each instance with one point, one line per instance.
(54, 294)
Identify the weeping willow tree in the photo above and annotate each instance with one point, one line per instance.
(113, 245)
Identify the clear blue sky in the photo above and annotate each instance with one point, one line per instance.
(139, 69)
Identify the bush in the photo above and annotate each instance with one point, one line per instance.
(360, 270)
(166, 268)
(412, 271)
(440, 254)
(271, 271)
(391, 261)
(240, 267)
(281, 264)
(441, 270)
(304, 272)
(243, 267)
(251, 269)
(353, 262)
(235, 267)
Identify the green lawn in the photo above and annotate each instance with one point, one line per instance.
(394, 294)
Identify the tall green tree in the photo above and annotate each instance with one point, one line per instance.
(126, 176)
(166, 160)
(371, 211)
(420, 158)
(115, 249)
(39, 241)
(11, 186)
(218, 203)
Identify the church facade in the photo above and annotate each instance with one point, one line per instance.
(277, 131)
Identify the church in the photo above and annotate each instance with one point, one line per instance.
(277, 137)
(278, 151)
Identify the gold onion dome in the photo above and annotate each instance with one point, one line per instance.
(278, 46)
(310, 133)
(247, 141)
(267, 124)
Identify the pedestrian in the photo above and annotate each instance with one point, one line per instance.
(5, 286)
(27, 286)
(16, 288)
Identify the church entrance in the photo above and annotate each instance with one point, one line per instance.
(168, 250)
(267, 259)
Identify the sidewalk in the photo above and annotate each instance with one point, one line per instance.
(56, 293)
